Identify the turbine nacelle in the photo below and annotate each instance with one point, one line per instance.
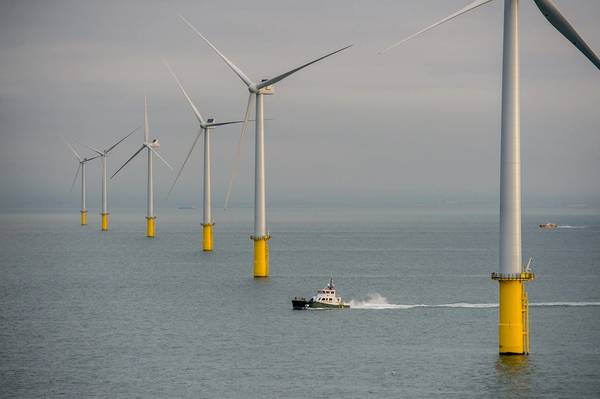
(150, 145)
(267, 90)
(153, 144)
(260, 89)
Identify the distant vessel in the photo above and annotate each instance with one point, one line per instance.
(325, 298)
(183, 208)
(548, 226)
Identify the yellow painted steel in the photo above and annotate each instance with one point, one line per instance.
(83, 218)
(207, 237)
(525, 311)
(261, 257)
(513, 313)
(510, 317)
(150, 227)
(104, 222)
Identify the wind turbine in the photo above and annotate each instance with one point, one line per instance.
(205, 127)
(104, 154)
(265, 87)
(513, 334)
(81, 166)
(151, 147)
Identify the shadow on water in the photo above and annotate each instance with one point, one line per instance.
(513, 373)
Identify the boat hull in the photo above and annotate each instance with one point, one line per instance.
(303, 304)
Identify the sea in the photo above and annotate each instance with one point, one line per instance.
(85, 313)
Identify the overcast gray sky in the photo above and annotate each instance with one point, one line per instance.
(419, 124)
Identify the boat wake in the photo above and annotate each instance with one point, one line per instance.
(541, 304)
(378, 302)
(570, 227)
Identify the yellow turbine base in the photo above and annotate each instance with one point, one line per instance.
(104, 222)
(150, 226)
(513, 319)
(261, 257)
(207, 237)
(83, 218)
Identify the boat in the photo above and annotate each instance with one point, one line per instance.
(548, 226)
(326, 298)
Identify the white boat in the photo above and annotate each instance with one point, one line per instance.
(326, 298)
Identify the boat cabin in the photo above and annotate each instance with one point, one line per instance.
(327, 294)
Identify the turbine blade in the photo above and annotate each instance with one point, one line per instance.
(238, 150)
(100, 153)
(89, 159)
(196, 112)
(231, 65)
(71, 148)
(224, 123)
(463, 10)
(216, 124)
(160, 157)
(146, 126)
(75, 178)
(123, 139)
(185, 161)
(133, 156)
(554, 16)
(286, 74)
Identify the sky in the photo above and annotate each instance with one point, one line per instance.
(417, 125)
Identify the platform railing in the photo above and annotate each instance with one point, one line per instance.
(523, 276)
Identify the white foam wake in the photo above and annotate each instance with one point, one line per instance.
(571, 227)
(378, 302)
(565, 304)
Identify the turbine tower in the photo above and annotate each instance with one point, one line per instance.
(151, 147)
(81, 166)
(513, 334)
(206, 126)
(103, 154)
(258, 90)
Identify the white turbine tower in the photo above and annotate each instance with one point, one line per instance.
(513, 311)
(151, 147)
(261, 234)
(81, 166)
(104, 154)
(206, 126)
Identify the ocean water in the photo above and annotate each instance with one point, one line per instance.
(115, 314)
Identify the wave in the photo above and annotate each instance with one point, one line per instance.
(565, 304)
(378, 302)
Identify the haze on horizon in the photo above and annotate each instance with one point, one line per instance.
(420, 124)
